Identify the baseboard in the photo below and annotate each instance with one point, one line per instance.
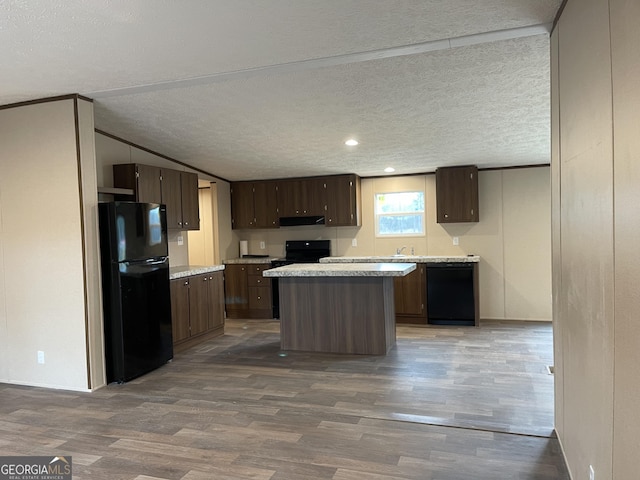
(49, 386)
(496, 319)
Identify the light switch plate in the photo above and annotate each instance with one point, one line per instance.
(456, 240)
(354, 242)
(262, 246)
(180, 240)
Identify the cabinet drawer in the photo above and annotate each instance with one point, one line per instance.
(258, 281)
(257, 269)
(259, 297)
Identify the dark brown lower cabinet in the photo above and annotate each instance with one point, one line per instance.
(236, 290)
(180, 309)
(410, 296)
(198, 304)
(247, 293)
(216, 302)
(197, 309)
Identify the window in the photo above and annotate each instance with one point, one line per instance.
(399, 214)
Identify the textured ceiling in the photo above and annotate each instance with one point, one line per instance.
(250, 89)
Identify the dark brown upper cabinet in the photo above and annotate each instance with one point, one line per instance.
(261, 204)
(457, 194)
(190, 204)
(342, 194)
(254, 204)
(242, 211)
(301, 197)
(172, 198)
(177, 190)
(265, 204)
(144, 180)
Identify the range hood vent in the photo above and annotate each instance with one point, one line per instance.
(297, 221)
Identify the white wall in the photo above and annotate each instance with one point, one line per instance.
(512, 238)
(44, 301)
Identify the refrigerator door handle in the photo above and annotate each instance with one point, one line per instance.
(150, 261)
(160, 261)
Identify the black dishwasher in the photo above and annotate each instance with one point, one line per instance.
(450, 296)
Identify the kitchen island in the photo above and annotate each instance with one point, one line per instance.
(338, 308)
(404, 259)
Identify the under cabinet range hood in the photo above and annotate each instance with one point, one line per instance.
(296, 221)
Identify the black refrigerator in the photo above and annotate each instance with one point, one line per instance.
(135, 288)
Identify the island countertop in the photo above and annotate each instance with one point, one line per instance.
(189, 270)
(378, 269)
(404, 259)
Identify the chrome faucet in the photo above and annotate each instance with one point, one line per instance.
(399, 250)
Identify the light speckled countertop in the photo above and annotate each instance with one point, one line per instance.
(342, 270)
(404, 259)
(251, 260)
(189, 270)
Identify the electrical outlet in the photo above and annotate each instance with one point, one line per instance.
(180, 240)
(41, 357)
(456, 241)
(262, 246)
(592, 473)
(354, 243)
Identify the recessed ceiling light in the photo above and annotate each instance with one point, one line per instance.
(389, 169)
(351, 142)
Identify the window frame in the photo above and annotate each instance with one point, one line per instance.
(377, 215)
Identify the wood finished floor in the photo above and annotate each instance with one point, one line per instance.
(446, 404)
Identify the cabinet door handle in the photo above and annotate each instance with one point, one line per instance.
(186, 223)
(205, 279)
(210, 278)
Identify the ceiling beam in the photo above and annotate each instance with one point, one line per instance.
(290, 67)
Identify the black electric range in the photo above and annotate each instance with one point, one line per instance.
(298, 251)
